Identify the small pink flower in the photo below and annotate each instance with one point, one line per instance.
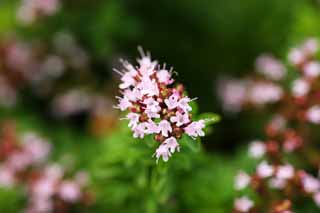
(296, 56)
(313, 114)
(164, 152)
(148, 87)
(310, 184)
(152, 128)
(285, 172)
(172, 144)
(243, 204)
(45, 188)
(242, 180)
(310, 46)
(316, 198)
(164, 76)
(124, 104)
(277, 183)
(36, 147)
(7, 177)
(180, 118)
(128, 79)
(263, 93)
(195, 129)
(300, 87)
(139, 130)
(165, 127)
(184, 104)
(264, 170)
(312, 69)
(133, 119)
(270, 67)
(173, 101)
(257, 149)
(69, 191)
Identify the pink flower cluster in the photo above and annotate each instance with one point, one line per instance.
(155, 106)
(30, 10)
(289, 132)
(26, 164)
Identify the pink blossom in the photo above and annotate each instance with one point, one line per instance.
(312, 69)
(7, 177)
(128, 79)
(69, 191)
(300, 87)
(152, 127)
(184, 104)
(296, 56)
(173, 101)
(44, 188)
(139, 130)
(285, 172)
(310, 184)
(148, 87)
(164, 76)
(310, 46)
(233, 94)
(263, 93)
(257, 149)
(277, 183)
(264, 170)
(133, 119)
(165, 127)
(195, 129)
(313, 114)
(242, 180)
(270, 67)
(243, 204)
(36, 147)
(124, 104)
(316, 198)
(164, 152)
(172, 144)
(180, 119)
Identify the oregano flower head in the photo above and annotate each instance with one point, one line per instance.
(156, 106)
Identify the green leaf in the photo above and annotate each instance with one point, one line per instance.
(210, 118)
(193, 144)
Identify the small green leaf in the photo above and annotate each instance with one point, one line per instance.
(194, 145)
(210, 118)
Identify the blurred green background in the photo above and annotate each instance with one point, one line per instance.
(203, 40)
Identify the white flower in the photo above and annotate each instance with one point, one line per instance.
(257, 149)
(180, 119)
(242, 180)
(243, 204)
(264, 170)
